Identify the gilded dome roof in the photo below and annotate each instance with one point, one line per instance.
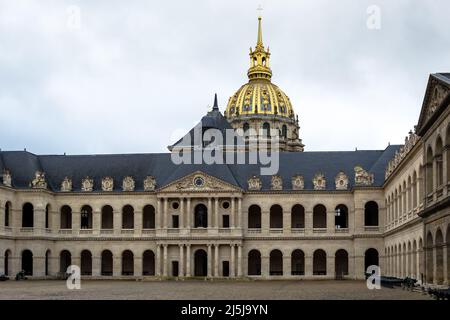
(259, 95)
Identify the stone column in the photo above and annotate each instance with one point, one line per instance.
(232, 262)
(209, 213)
(138, 265)
(239, 267)
(39, 265)
(117, 265)
(188, 260)
(265, 221)
(351, 266)
(216, 260)
(165, 260)
(39, 221)
(287, 265)
(158, 260)
(76, 217)
(209, 261)
(265, 265)
(188, 214)
(138, 222)
(359, 267)
(158, 215)
(117, 222)
(286, 221)
(233, 213)
(331, 266)
(181, 263)
(240, 214)
(2, 225)
(445, 264)
(182, 213)
(308, 223)
(165, 213)
(330, 221)
(56, 221)
(216, 213)
(96, 266)
(96, 221)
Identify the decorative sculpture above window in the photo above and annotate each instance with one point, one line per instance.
(107, 184)
(39, 181)
(87, 184)
(341, 181)
(362, 177)
(277, 183)
(66, 185)
(149, 183)
(128, 184)
(319, 181)
(298, 183)
(254, 183)
(7, 178)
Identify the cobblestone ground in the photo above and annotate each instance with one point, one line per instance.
(201, 290)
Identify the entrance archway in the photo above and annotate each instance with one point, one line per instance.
(27, 262)
(370, 258)
(341, 263)
(276, 263)
(200, 263)
(86, 263)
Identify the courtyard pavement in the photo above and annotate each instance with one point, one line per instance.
(202, 290)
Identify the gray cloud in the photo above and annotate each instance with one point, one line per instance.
(137, 73)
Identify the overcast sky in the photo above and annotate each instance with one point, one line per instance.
(132, 76)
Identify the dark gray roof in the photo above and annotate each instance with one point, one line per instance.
(23, 165)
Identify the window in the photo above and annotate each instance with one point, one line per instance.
(175, 222)
(226, 221)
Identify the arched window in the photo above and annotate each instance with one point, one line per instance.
(246, 127)
(65, 260)
(429, 262)
(7, 262)
(429, 171)
(276, 217)
(254, 217)
(341, 263)
(107, 217)
(86, 263)
(127, 263)
(276, 263)
(27, 215)
(298, 263)
(266, 129)
(320, 216)
(439, 162)
(298, 217)
(47, 262)
(47, 216)
(439, 242)
(341, 217)
(148, 263)
(370, 258)
(284, 131)
(127, 217)
(254, 263)
(66, 217)
(86, 217)
(107, 263)
(414, 190)
(200, 216)
(371, 214)
(7, 214)
(148, 217)
(319, 262)
(27, 262)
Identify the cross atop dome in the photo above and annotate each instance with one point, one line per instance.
(259, 58)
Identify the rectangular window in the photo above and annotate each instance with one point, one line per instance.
(175, 222)
(226, 221)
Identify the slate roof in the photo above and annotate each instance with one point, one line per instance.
(23, 165)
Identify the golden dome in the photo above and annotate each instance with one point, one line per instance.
(259, 95)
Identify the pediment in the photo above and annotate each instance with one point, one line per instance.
(199, 182)
(436, 96)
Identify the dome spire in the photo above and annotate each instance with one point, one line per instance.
(259, 42)
(259, 58)
(216, 105)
